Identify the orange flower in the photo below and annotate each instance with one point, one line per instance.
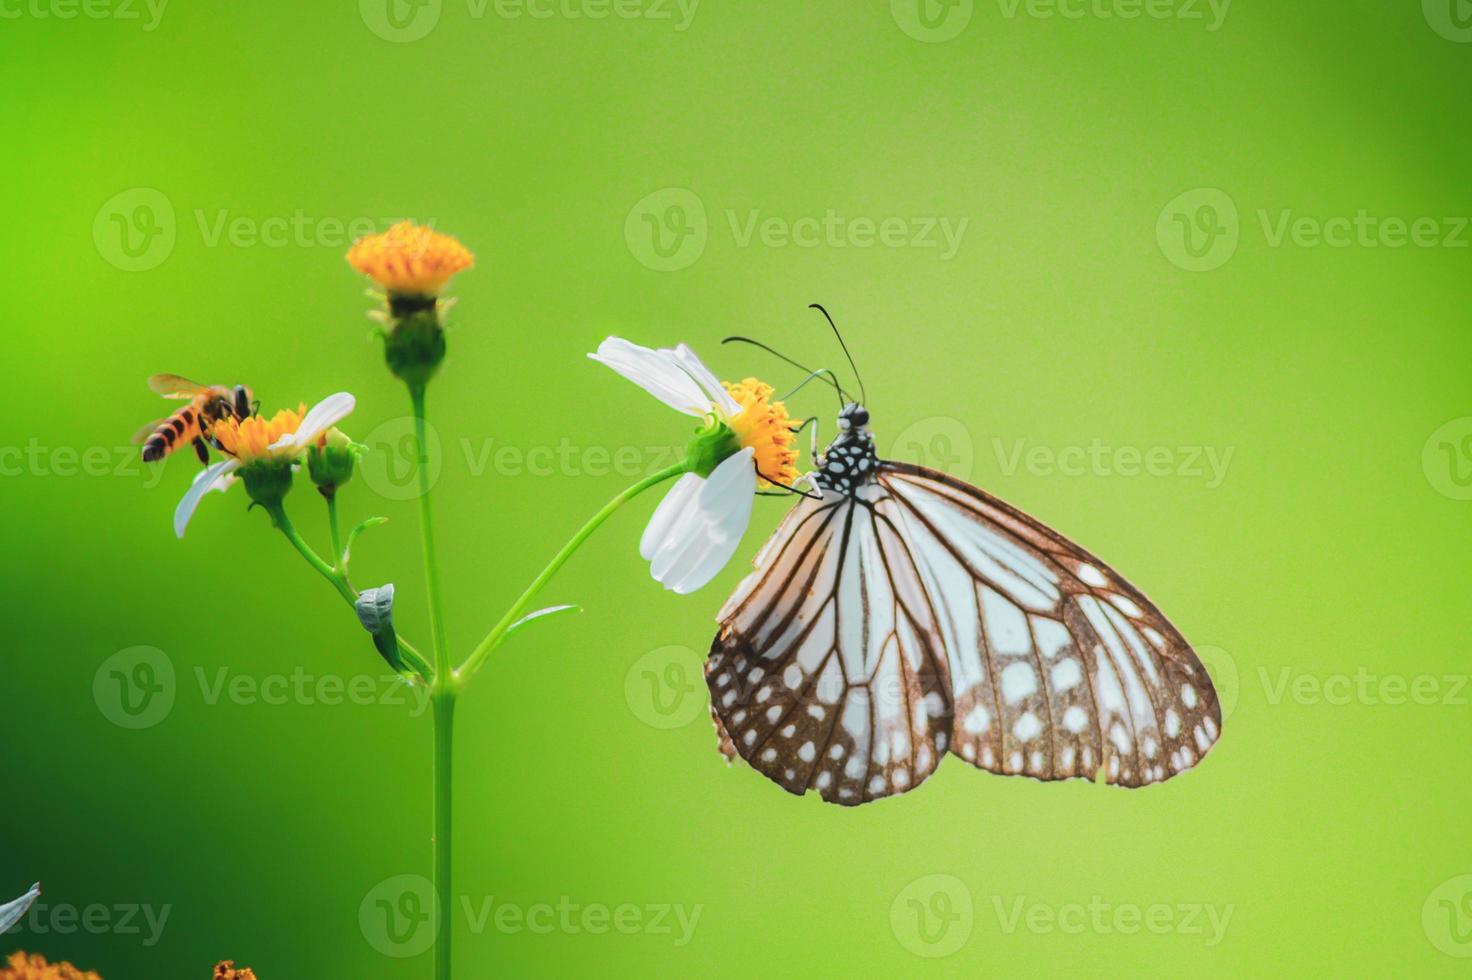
(410, 259)
(227, 971)
(34, 967)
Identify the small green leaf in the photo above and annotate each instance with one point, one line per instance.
(347, 551)
(11, 912)
(540, 614)
(376, 613)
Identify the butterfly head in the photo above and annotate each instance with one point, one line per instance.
(849, 462)
(854, 416)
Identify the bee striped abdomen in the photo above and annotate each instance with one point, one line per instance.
(177, 430)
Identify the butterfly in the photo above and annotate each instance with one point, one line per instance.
(898, 615)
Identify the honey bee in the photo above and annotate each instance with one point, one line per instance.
(208, 404)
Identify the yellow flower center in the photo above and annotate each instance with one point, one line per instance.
(765, 426)
(251, 438)
(410, 259)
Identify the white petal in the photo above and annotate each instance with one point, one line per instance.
(216, 477)
(657, 372)
(323, 416)
(696, 368)
(681, 496)
(700, 545)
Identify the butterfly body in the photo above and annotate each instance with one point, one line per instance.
(900, 615)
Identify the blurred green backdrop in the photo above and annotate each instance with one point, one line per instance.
(1229, 241)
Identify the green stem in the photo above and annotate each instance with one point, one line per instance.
(431, 561)
(444, 739)
(519, 608)
(339, 581)
(332, 527)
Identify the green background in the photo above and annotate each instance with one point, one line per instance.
(1334, 545)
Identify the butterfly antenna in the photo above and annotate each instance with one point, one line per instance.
(863, 395)
(825, 373)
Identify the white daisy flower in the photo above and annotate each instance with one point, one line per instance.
(698, 525)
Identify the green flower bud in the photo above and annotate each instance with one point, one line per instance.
(268, 481)
(414, 339)
(331, 461)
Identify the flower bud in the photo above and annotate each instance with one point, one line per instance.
(267, 481)
(331, 461)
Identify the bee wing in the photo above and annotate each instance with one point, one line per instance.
(142, 434)
(173, 386)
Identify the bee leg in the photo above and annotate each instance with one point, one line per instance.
(241, 403)
(201, 450)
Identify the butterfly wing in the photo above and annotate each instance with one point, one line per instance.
(1059, 667)
(827, 671)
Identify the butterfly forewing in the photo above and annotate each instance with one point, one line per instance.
(827, 673)
(916, 614)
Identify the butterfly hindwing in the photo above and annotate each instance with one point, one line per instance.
(826, 673)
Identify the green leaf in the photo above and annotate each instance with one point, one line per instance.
(11, 912)
(376, 613)
(540, 614)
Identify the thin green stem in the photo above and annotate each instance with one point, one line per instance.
(332, 527)
(413, 657)
(431, 561)
(523, 604)
(444, 741)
